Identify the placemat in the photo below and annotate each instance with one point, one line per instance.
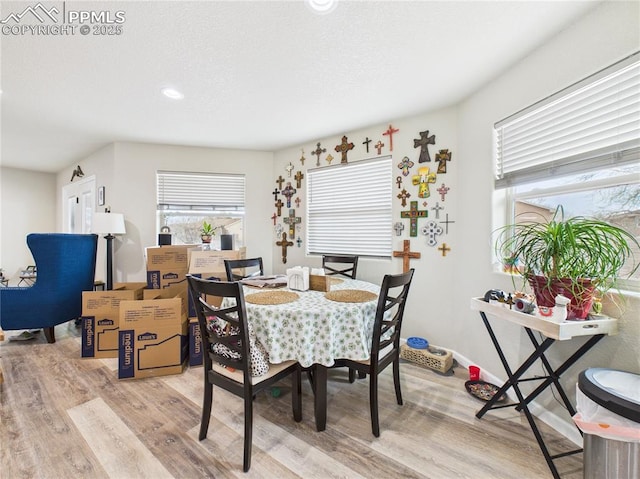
(271, 297)
(350, 296)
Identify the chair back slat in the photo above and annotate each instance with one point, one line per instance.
(224, 331)
(335, 265)
(238, 269)
(390, 312)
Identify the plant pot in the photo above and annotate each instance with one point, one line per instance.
(206, 238)
(579, 292)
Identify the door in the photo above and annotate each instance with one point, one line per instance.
(78, 205)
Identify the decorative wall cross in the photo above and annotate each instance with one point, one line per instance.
(302, 158)
(343, 148)
(431, 230)
(366, 143)
(403, 195)
(275, 194)
(298, 200)
(329, 158)
(442, 157)
(299, 241)
(299, 177)
(406, 255)
(399, 227)
(399, 182)
(404, 165)
(379, 146)
(318, 151)
(422, 179)
(390, 131)
(446, 223)
(413, 214)
(284, 244)
(279, 204)
(280, 180)
(289, 169)
(424, 141)
(443, 190)
(292, 220)
(444, 248)
(288, 192)
(274, 219)
(437, 209)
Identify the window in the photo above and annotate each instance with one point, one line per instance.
(579, 148)
(349, 208)
(186, 200)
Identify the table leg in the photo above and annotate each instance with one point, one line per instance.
(320, 396)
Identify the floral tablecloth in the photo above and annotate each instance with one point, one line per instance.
(314, 329)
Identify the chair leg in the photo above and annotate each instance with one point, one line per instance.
(50, 334)
(362, 375)
(296, 395)
(396, 380)
(206, 410)
(352, 375)
(248, 430)
(373, 404)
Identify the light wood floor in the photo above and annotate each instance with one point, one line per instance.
(67, 417)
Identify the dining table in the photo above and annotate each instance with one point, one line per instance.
(314, 328)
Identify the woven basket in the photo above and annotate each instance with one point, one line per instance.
(425, 358)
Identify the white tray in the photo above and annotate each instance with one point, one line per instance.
(560, 331)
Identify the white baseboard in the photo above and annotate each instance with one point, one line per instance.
(552, 420)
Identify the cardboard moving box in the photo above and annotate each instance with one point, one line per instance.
(153, 336)
(101, 317)
(167, 266)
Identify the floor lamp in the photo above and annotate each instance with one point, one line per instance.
(110, 224)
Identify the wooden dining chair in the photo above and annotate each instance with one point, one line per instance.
(345, 265)
(238, 269)
(227, 358)
(385, 346)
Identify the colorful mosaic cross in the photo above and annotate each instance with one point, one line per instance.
(413, 214)
(288, 192)
(404, 165)
(422, 179)
(442, 157)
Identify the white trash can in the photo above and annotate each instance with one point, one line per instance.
(608, 413)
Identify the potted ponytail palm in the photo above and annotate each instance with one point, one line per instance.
(573, 257)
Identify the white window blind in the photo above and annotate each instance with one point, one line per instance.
(349, 208)
(586, 126)
(200, 191)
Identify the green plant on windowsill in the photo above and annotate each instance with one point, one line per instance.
(574, 257)
(207, 232)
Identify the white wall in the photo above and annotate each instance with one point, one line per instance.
(26, 206)
(130, 188)
(607, 34)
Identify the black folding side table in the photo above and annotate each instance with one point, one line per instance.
(567, 330)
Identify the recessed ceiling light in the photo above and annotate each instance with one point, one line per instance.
(172, 93)
(322, 7)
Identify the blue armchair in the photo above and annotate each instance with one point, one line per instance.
(66, 265)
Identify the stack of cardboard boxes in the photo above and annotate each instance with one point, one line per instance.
(151, 327)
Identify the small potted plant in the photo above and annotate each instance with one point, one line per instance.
(573, 257)
(207, 232)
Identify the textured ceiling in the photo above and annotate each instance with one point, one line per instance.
(255, 75)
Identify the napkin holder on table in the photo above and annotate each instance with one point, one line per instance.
(298, 278)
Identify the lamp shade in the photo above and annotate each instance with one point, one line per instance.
(112, 223)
